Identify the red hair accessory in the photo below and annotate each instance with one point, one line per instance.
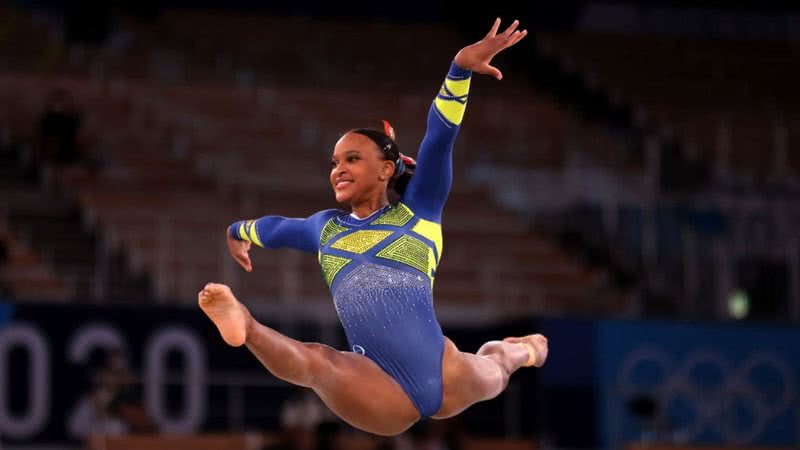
(388, 130)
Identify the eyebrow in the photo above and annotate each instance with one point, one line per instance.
(349, 152)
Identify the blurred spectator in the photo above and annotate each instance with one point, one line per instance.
(295, 439)
(58, 130)
(94, 415)
(433, 435)
(113, 405)
(329, 436)
(61, 149)
(127, 399)
(301, 416)
(304, 410)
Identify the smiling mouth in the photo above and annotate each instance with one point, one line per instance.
(342, 184)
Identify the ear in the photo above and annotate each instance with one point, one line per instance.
(387, 169)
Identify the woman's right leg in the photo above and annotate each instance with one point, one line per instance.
(351, 385)
(470, 378)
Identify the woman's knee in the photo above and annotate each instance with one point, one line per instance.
(490, 348)
(495, 375)
(494, 381)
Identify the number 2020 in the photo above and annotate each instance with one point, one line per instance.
(29, 338)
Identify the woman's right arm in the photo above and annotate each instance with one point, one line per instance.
(275, 232)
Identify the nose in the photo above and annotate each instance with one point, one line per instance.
(335, 174)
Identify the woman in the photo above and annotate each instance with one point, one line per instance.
(379, 261)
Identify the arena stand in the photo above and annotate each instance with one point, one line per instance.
(183, 161)
(717, 122)
(735, 102)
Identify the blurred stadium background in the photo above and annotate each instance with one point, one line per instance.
(629, 190)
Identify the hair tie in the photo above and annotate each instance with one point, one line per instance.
(399, 167)
(402, 163)
(409, 161)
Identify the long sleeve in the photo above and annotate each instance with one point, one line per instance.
(428, 189)
(280, 232)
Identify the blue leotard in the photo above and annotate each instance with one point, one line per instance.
(380, 270)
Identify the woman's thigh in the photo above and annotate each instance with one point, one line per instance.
(360, 392)
(466, 379)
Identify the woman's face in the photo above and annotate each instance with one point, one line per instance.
(358, 170)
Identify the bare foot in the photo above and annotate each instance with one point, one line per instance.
(219, 304)
(537, 348)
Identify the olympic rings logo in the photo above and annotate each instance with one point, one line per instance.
(734, 401)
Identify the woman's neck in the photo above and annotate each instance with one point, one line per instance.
(367, 208)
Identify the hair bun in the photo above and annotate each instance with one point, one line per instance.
(388, 130)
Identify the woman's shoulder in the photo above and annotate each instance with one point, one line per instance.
(327, 214)
(321, 219)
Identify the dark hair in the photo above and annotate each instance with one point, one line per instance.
(403, 170)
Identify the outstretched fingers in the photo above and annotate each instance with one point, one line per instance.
(494, 29)
(507, 38)
(516, 37)
(478, 56)
(510, 28)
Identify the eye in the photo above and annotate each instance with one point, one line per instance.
(352, 158)
(334, 163)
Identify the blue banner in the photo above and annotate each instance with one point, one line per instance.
(685, 383)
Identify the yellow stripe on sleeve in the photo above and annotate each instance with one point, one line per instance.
(447, 105)
(252, 234)
(458, 88)
(451, 110)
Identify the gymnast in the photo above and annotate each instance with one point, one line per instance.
(379, 260)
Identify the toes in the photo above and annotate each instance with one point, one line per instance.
(216, 288)
(207, 291)
(223, 289)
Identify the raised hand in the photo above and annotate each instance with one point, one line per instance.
(478, 56)
(239, 250)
